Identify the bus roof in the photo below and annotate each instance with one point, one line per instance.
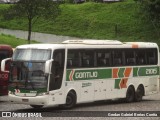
(5, 47)
(91, 44)
(39, 46)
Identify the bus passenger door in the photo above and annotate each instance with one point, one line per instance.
(100, 90)
(56, 77)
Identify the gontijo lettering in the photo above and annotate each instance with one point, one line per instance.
(93, 74)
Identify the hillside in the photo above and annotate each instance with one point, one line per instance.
(95, 21)
(11, 40)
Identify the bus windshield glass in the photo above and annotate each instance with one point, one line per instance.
(28, 75)
(32, 55)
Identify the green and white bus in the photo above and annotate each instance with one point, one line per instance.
(79, 71)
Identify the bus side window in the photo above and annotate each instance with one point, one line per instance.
(141, 57)
(117, 61)
(103, 58)
(69, 63)
(151, 60)
(117, 58)
(87, 58)
(131, 61)
(86, 62)
(129, 57)
(152, 56)
(140, 61)
(73, 59)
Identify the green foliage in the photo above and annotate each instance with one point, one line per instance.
(151, 10)
(32, 10)
(69, 1)
(13, 41)
(152, 7)
(95, 21)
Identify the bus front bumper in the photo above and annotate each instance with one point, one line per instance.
(37, 100)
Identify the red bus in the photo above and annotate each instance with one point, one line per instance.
(6, 51)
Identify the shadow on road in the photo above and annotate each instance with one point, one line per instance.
(106, 103)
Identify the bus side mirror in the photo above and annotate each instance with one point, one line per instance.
(48, 66)
(4, 64)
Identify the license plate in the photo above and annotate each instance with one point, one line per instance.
(25, 100)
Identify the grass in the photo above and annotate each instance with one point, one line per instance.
(13, 41)
(121, 20)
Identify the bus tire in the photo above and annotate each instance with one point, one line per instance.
(36, 106)
(71, 100)
(130, 95)
(139, 93)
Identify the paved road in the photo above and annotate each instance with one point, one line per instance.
(92, 110)
(41, 37)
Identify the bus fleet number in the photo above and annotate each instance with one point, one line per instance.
(151, 71)
(3, 76)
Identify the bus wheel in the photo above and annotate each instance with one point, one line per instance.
(139, 93)
(36, 106)
(70, 100)
(130, 95)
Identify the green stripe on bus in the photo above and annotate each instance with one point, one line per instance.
(121, 72)
(135, 73)
(145, 71)
(116, 85)
(90, 74)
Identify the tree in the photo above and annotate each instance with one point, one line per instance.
(33, 10)
(151, 8)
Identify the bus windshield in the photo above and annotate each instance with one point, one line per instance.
(32, 55)
(28, 75)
